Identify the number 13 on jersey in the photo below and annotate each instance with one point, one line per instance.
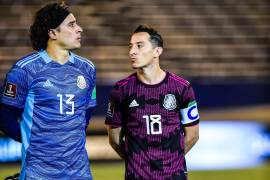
(153, 124)
(69, 102)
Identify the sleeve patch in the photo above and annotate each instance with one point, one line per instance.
(10, 90)
(94, 94)
(110, 110)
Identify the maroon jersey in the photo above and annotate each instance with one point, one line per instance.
(152, 118)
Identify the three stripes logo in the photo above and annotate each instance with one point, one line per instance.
(48, 84)
(133, 104)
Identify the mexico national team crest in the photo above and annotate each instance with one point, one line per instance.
(169, 102)
(81, 83)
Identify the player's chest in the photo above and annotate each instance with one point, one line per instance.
(57, 84)
(163, 101)
(152, 111)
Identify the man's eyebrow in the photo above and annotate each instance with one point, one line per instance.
(139, 42)
(72, 22)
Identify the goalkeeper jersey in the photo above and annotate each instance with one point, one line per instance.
(54, 98)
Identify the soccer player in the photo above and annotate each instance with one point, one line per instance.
(152, 116)
(51, 91)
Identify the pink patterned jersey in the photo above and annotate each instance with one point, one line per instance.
(152, 118)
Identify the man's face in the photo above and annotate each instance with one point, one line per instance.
(68, 34)
(141, 52)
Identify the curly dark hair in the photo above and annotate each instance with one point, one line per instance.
(48, 17)
(155, 37)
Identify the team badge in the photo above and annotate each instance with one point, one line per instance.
(10, 90)
(169, 102)
(81, 83)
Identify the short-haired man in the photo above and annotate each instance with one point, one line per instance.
(152, 116)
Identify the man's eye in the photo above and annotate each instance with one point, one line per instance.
(139, 46)
(72, 25)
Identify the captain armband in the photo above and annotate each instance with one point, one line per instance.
(190, 114)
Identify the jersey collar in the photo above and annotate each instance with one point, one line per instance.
(165, 79)
(48, 59)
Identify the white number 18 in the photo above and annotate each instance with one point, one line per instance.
(153, 124)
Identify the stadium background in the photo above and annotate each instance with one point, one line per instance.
(222, 47)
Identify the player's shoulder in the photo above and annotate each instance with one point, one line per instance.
(121, 86)
(178, 79)
(83, 60)
(125, 81)
(27, 60)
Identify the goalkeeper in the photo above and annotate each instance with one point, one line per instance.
(47, 99)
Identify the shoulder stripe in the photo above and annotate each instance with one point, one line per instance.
(180, 80)
(29, 61)
(125, 81)
(121, 83)
(85, 60)
(26, 58)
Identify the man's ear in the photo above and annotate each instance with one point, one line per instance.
(52, 34)
(158, 51)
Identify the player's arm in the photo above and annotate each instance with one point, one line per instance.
(114, 119)
(9, 121)
(12, 101)
(190, 122)
(191, 136)
(190, 119)
(92, 102)
(115, 140)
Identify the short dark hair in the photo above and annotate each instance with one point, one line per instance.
(155, 37)
(48, 17)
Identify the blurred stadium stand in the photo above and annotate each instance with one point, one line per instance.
(222, 47)
(204, 40)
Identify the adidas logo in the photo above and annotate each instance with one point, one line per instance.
(48, 84)
(133, 103)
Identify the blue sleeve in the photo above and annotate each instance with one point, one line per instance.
(15, 87)
(87, 117)
(92, 90)
(9, 121)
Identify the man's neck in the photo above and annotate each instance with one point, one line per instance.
(151, 75)
(58, 55)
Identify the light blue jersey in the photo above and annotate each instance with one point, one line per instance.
(55, 98)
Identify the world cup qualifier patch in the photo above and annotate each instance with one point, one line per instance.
(10, 90)
(110, 110)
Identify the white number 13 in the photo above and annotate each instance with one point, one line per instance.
(68, 102)
(153, 124)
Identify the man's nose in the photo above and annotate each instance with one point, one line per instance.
(79, 29)
(132, 51)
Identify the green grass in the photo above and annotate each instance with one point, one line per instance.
(111, 171)
(258, 173)
(115, 171)
(8, 170)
